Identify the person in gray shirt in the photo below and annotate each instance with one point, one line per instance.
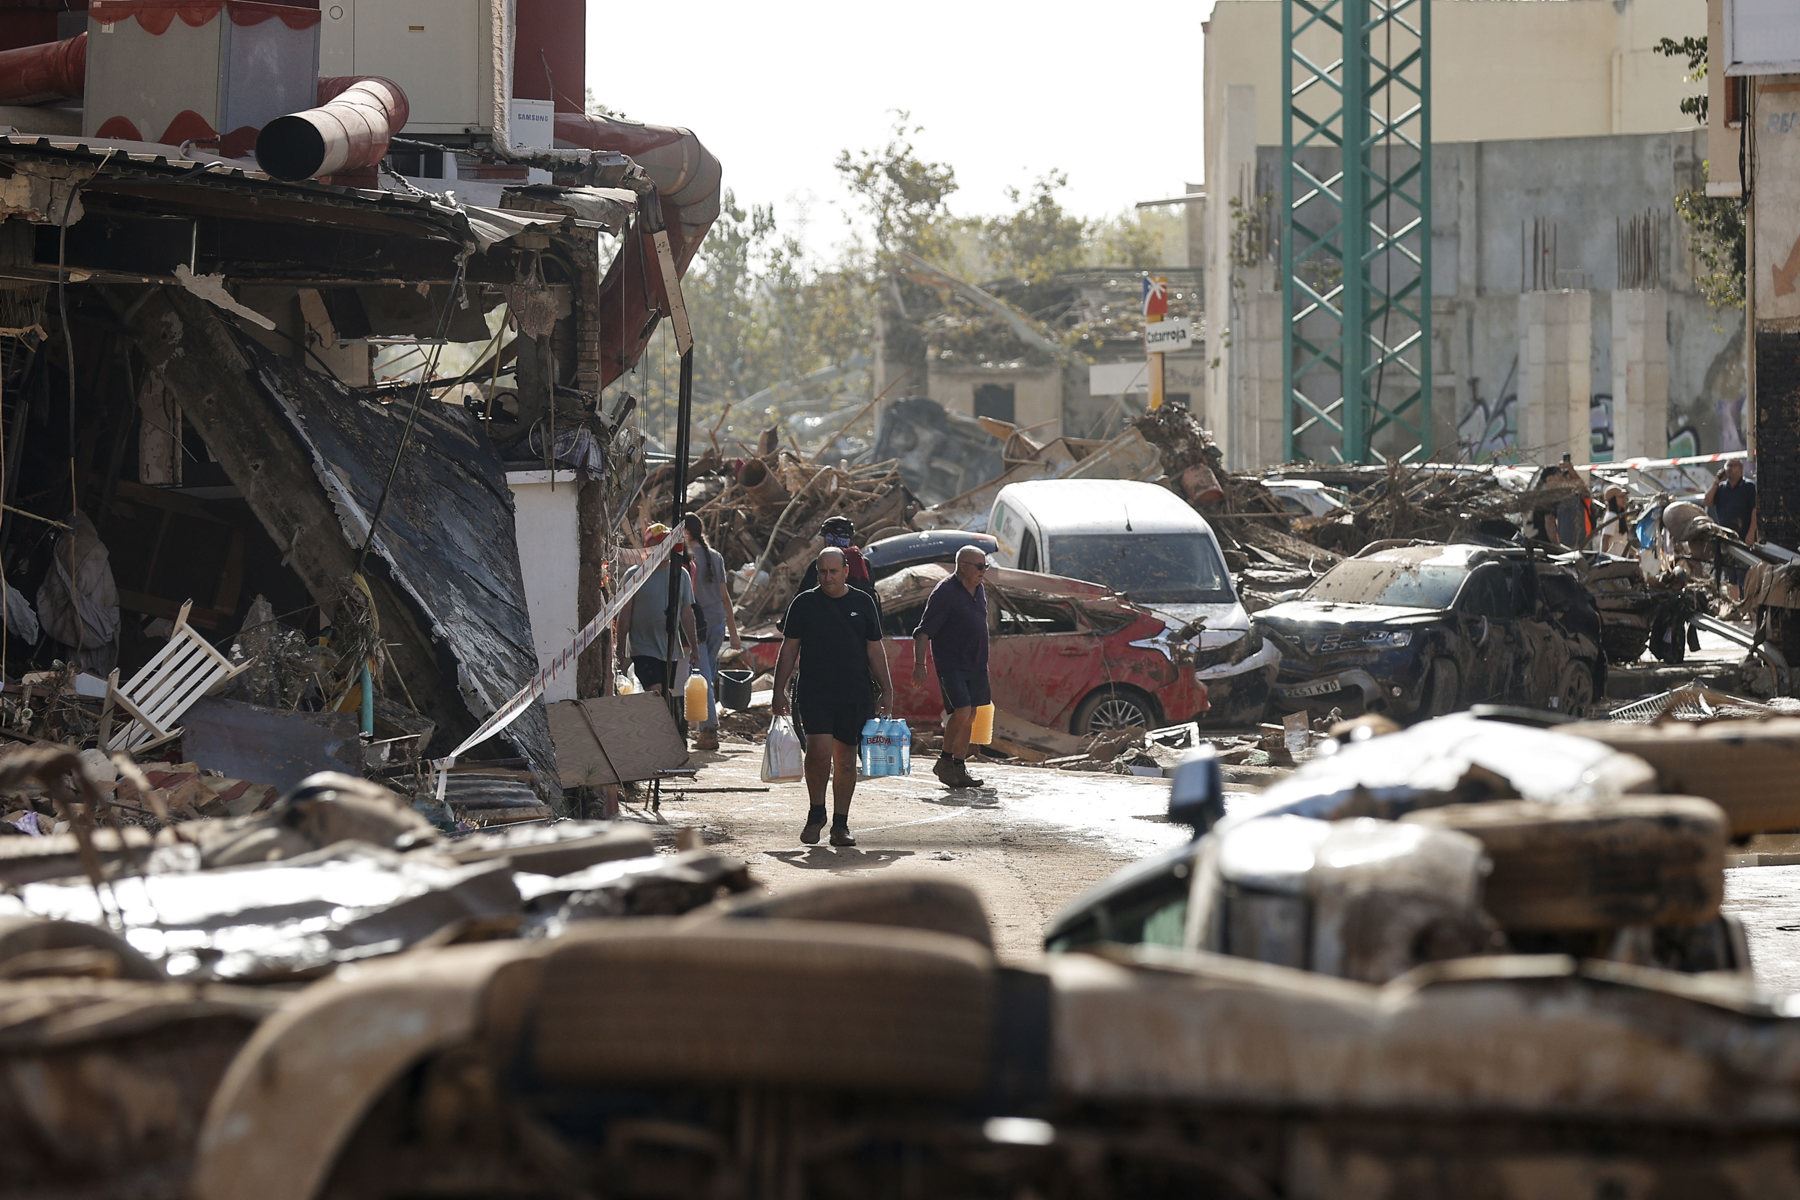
(715, 606)
(644, 620)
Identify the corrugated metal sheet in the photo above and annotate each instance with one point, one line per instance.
(446, 536)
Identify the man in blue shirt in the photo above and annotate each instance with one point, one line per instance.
(955, 622)
(1732, 500)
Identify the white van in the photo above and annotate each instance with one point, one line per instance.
(1135, 538)
(1149, 543)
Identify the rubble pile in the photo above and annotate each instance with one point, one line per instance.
(764, 513)
(1640, 613)
(1260, 537)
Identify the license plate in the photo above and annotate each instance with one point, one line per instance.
(1319, 687)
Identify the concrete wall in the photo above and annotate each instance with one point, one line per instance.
(550, 558)
(1037, 393)
(1517, 216)
(1556, 369)
(1498, 205)
(1519, 69)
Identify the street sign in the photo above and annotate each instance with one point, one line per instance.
(1168, 337)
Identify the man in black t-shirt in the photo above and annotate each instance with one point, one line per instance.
(832, 632)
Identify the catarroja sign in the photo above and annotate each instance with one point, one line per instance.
(1168, 337)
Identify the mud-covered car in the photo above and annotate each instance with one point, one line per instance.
(1062, 653)
(1423, 629)
(889, 555)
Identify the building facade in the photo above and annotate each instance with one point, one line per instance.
(1565, 315)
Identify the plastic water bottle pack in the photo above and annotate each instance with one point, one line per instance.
(886, 748)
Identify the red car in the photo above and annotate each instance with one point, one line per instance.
(1062, 653)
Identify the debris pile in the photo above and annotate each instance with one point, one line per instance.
(765, 513)
(1259, 536)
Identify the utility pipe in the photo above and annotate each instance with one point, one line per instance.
(45, 72)
(687, 180)
(348, 131)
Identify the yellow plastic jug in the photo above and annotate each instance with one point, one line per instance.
(983, 733)
(693, 698)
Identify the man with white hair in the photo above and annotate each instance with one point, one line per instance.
(833, 634)
(954, 626)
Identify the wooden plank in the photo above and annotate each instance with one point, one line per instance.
(614, 739)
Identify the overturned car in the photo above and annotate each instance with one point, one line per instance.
(1418, 629)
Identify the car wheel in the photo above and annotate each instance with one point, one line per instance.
(1111, 708)
(1440, 689)
(1578, 690)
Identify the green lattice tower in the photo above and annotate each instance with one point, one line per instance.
(1356, 231)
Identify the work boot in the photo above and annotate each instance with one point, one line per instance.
(840, 832)
(815, 825)
(706, 739)
(962, 778)
(945, 770)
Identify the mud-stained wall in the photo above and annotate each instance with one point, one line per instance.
(1592, 213)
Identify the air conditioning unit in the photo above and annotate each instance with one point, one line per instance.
(212, 72)
(452, 58)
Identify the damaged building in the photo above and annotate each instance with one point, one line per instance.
(257, 383)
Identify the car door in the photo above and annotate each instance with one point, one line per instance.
(913, 701)
(1487, 617)
(1040, 660)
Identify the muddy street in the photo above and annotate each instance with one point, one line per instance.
(1033, 839)
(1028, 842)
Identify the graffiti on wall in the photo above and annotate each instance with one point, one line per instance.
(1490, 428)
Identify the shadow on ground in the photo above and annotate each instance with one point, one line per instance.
(985, 797)
(850, 858)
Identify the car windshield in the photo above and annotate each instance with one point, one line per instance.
(1383, 581)
(1152, 568)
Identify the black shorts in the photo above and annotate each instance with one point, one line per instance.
(650, 672)
(840, 716)
(964, 689)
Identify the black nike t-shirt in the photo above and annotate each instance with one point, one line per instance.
(834, 637)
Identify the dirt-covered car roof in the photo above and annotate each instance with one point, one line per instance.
(1434, 555)
(914, 583)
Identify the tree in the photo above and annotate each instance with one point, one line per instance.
(1694, 50)
(1136, 239)
(1039, 239)
(1715, 224)
(903, 196)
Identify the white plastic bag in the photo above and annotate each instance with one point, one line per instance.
(783, 757)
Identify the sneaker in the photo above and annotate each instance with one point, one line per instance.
(815, 825)
(840, 834)
(706, 739)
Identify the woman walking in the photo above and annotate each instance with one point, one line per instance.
(714, 601)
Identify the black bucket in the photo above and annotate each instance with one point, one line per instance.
(734, 688)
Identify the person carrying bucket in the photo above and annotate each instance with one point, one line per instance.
(955, 622)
